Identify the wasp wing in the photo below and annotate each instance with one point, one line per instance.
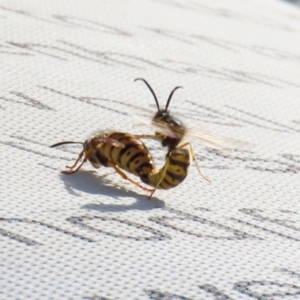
(114, 143)
(106, 140)
(158, 126)
(216, 141)
(209, 139)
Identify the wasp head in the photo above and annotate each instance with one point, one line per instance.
(171, 130)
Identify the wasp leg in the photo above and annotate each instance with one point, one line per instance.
(153, 191)
(124, 176)
(194, 158)
(76, 162)
(161, 179)
(87, 156)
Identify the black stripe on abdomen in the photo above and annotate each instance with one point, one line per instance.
(134, 157)
(176, 176)
(182, 164)
(130, 145)
(148, 166)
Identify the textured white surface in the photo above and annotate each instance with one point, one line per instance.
(67, 69)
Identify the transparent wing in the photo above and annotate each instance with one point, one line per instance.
(114, 142)
(106, 140)
(209, 139)
(156, 126)
(98, 138)
(216, 141)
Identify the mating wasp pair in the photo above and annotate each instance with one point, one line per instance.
(124, 151)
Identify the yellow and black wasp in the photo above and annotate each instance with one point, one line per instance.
(171, 132)
(117, 150)
(123, 151)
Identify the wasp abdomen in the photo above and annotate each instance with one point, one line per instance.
(173, 172)
(133, 156)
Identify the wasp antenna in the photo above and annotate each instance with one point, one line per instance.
(171, 95)
(151, 90)
(63, 143)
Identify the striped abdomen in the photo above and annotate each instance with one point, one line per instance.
(174, 171)
(133, 157)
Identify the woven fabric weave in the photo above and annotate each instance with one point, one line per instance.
(67, 71)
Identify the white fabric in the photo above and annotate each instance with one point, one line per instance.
(67, 70)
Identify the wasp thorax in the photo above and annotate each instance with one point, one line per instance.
(173, 130)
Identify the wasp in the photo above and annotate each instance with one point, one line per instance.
(123, 151)
(117, 150)
(171, 132)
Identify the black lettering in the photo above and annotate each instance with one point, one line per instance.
(87, 100)
(264, 79)
(288, 168)
(95, 298)
(21, 147)
(122, 59)
(255, 213)
(264, 229)
(231, 75)
(35, 48)
(190, 39)
(221, 12)
(261, 50)
(157, 295)
(29, 101)
(32, 47)
(30, 221)
(234, 117)
(214, 291)
(234, 233)
(28, 14)
(92, 25)
(28, 140)
(18, 237)
(271, 23)
(7, 50)
(156, 234)
(259, 164)
(226, 13)
(263, 119)
(289, 272)
(284, 289)
(296, 122)
(186, 67)
(248, 77)
(220, 43)
(276, 53)
(175, 4)
(171, 34)
(295, 158)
